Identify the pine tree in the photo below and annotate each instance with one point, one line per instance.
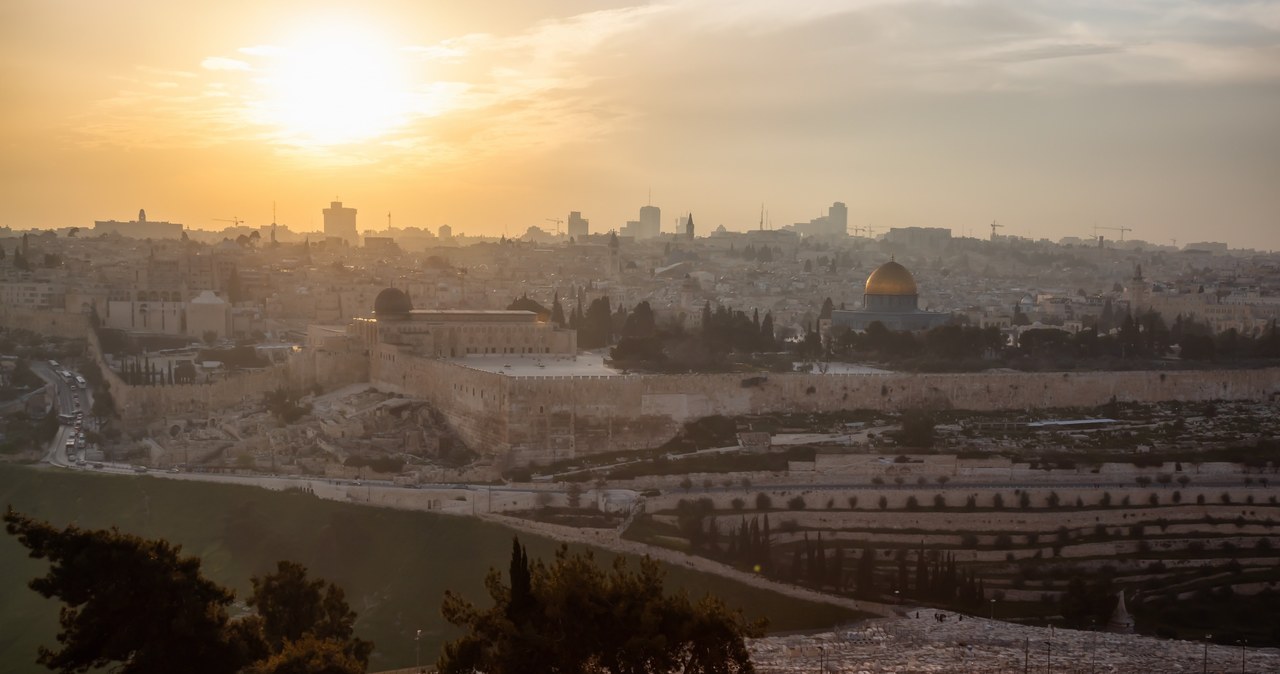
(557, 311)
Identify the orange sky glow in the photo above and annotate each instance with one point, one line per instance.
(493, 116)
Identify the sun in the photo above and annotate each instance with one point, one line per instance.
(333, 84)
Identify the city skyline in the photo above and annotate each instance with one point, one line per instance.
(1048, 118)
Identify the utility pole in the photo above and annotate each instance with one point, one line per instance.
(1049, 655)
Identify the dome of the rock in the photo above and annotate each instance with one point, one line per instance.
(891, 278)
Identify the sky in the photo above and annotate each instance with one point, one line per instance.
(1050, 116)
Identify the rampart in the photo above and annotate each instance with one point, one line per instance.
(52, 323)
(544, 418)
(138, 404)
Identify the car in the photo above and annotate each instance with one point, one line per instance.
(174, 470)
(96, 464)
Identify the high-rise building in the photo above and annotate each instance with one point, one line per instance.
(650, 222)
(838, 219)
(834, 223)
(578, 225)
(445, 232)
(688, 227)
(340, 223)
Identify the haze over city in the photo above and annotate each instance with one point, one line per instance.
(493, 116)
(680, 336)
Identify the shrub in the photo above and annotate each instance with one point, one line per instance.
(997, 500)
(912, 503)
(853, 502)
(763, 502)
(796, 503)
(884, 503)
(738, 504)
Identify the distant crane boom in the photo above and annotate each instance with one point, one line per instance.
(558, 223)
(234, 220)
(1122, 230)
(994, 226)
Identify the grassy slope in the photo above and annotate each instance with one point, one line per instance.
(393, 565)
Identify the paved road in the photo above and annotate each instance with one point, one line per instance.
(65, 400)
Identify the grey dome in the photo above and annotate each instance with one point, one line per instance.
(392, 302)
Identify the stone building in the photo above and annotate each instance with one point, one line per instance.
(892, 298)
(457, 333)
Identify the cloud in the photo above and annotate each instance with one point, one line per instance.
(593, 74)
(1053, 51)
(223, 63)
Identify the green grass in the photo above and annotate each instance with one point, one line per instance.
(394, 565)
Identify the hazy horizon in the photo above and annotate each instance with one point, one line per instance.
(1049, 117)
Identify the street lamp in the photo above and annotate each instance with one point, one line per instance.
(1049, 654)
(993, 608)
(417, 651)
(1205, 666)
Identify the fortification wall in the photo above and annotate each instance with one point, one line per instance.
(596, 414)
(312, 367)
(139, 404)
(472, 401)
(543, 419)
(52, 323)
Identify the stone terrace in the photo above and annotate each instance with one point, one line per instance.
(974, 644)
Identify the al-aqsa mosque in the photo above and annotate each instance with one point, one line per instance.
(892, 298)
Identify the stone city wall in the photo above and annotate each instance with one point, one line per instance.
(538, 419)
(52, 323)
(140, 404)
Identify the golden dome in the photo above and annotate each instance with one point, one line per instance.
(891, 278)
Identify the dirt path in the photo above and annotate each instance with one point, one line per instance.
(610, 540)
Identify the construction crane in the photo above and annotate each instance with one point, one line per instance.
(1122, 230)
(994, 226)
(558, 223)
(234, 220)
(856, 230)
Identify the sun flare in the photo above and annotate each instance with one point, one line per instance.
(333, 85)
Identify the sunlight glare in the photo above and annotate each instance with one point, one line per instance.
(333, 85)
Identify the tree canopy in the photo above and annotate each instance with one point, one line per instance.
(141, 606)
(572, 616)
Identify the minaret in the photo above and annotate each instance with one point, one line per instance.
(688, 227)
